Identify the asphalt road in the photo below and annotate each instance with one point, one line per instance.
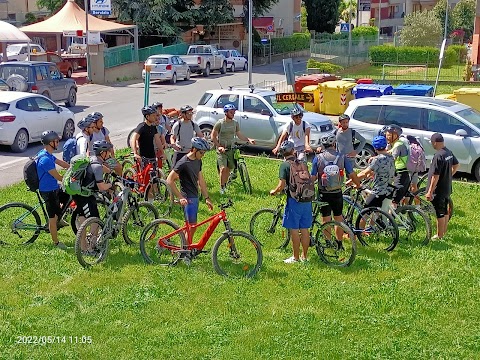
(121, 103)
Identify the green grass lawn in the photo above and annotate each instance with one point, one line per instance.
(413, 303)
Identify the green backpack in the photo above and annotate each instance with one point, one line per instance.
(73, 178)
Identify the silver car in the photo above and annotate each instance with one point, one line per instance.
(259, 115)
(421, 117)
(235, 60)
(167, 67)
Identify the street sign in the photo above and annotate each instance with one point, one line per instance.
(289, 73)
(294, 97)
(100, 7)
(344, 27)
(364, 5)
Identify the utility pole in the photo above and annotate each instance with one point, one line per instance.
(250, 41)
(349, 31)
(86, 40)
(442, 50)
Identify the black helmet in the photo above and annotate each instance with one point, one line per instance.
(96, 115)
(343, 117)
(148, 110)
(101, 145)
(156, 105)
(48, 136)
(394, 129)
(186, 108)
(85, 122)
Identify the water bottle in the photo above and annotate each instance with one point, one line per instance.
(324, 180)
(386, 204)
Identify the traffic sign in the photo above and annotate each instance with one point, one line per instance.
(294, 97)
(344, 27)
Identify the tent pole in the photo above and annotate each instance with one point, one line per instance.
(86, 40)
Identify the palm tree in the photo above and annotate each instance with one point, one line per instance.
(344, 8)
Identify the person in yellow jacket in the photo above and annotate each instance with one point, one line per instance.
(400, 152)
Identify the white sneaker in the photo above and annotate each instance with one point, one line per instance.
(222, 191)
(290, 260)
(435, 238)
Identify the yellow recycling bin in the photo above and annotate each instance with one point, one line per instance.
(336, 96)
(315, 106)
(468, 96)
(447, 97)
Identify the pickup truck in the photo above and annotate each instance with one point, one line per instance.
(202, 59)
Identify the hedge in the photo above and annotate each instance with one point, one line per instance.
(385, 54)
(461, 52)
(326, 68)
(295, 42)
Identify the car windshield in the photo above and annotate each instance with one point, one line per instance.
(282, 108)
(152, 61)
(14, 48)
(224, 53)
(472, 115)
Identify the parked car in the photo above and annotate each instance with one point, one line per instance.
(19, 52)
(259, 115)
(39, 77)
(202, 59)
(235, 60)
(4, 86)
(64, 65)
(24, 116)
(167, 67)
(421, 117)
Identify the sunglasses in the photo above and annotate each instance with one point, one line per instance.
(202, 152)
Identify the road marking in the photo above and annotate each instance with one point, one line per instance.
(5, 165)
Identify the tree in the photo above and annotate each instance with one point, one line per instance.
(345, 7)
(214, 12)
(463, 17)
(54, 5)
(439, 10)
(421, 29)
(322, 15)
(260, 7)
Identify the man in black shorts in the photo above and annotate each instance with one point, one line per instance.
(145, 137)
(444, 165)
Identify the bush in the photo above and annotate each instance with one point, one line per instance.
(365, 32)
(326, 68)
(298, 41)
(461, 52)
(411, 55)
(30, 18)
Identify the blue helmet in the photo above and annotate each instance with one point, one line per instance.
(229, 107)
(379, 142)
(200, 144)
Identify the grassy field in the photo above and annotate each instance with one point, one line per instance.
(413, 303)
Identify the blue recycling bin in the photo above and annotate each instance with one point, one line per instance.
(371, 90)
(414, 90)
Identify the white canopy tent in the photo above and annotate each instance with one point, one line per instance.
(10, 34)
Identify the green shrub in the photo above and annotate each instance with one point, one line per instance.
(419, 55)
(461, 52)
(367, 32)
(383, 54)
(295, 42)
(326, 68)
(30, 18)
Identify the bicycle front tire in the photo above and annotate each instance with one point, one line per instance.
(376, 228)
(161, 196)
(329, 250)
(237, 254)
(135, 219)
(247, 185)
(19, 224)
(266, 227)
(414, 223)
(92, 230)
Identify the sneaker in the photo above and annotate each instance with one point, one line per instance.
(303, 260)
(435, 238)
(222, 191)
(61, 246)
(290, 260)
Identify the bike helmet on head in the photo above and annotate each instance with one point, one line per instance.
(85, 122)
(186, 108)
(296, 111)
(229, 107)
(157, 104)
(48, 136)
(200, 144)
(343, 117)
(394, 129)
(286, 146)
(328, 140)
(101, 145)
(97, 115)
(379, 142)
(148, 110)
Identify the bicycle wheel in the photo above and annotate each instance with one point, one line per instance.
(102, 209)
(247, 185)
(152, 251)
(129, 173)
(376, 228)
(266, 227)
(160, 195)
(332, 252)
(351, 209)
(413, 224)
(135, 219)
(237, 254)
(95, 240)
(427, 205)
(19, 224)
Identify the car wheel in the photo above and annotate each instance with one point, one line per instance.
(207, 134)
(245, 66)
(187, 77)
(20, 143)
(173, 80)
(68, 129)
(72, 98)
(476, 170)
(69, 73)
(361, 160)
(206, 72)
(232, 69)
(223, 69)
(46, 94)
(75, 65)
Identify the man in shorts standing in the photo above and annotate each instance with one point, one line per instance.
(346, 138)
(182, 133)
(444, 165)
(145, 136)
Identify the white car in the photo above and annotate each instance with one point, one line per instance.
(24, 116)
(235, 60)
(19, 52)
(167, 67)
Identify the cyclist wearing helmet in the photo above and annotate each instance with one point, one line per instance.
(297, 217)
(100, 132)
(382, 169)
(330, 181)
(182, 133)
(188, 170)
(400, 153)
(346, 138)
(93, 180)
(49, 188)
(223, 138)
(297, 131)
(146, 137)
(162, 125)
(86, 125)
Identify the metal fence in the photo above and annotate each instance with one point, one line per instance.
(176, 49)
(119, 55)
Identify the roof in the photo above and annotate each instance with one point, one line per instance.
(25, 63)
(444, 103)
(7, 96)
(11, 34)
(72, 18)
(265, 22)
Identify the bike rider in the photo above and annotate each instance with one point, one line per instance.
(188, 170)
(223, 137)
(346, 137)
(100, 132)
(49, 188)
(87, 126)
(145, 137)
(400, 153)
(298, 131)
(162, 126)
(182, 133)
(93, 180)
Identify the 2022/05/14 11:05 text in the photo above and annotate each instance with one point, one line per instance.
(43, 340)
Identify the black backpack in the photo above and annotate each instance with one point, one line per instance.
(30, 174)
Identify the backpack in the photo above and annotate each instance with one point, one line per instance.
(180, 125)
(74, 176)
(300, 186)
(332, 177)
(417, 161)
(69, 149)
(290, 128)
(30, 174)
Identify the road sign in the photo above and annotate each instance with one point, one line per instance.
(364, 5)
(294, 97)
(288, 69)
(344, 27)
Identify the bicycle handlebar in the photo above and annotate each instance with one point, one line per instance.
(227, 204)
